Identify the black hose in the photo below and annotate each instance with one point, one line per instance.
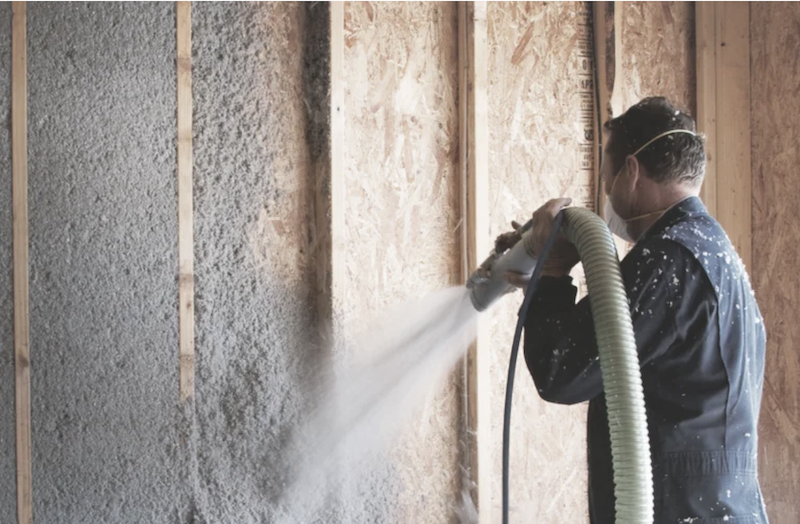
(512, 365)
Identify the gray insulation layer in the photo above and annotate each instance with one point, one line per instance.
(7, 434)
(103, 263)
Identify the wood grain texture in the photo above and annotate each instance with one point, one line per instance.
(402, 197)
(19, 167)
(185, 206)
(605, 40)
(775, 103)
(535, 138)
(733, 125)
(337, 232)
(706, 51)
(617, 97)
(474, 149)
(657, 58)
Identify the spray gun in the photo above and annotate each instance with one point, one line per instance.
(487, 283)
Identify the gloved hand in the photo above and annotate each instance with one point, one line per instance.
(562, 256)
(506, 241)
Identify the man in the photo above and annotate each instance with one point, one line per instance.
(699, 332)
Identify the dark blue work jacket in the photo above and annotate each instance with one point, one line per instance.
(701, 343)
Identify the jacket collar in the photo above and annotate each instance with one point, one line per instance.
(686, 208)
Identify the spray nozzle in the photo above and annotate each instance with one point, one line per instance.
(510, 253)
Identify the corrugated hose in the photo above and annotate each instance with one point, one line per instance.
(619, 364)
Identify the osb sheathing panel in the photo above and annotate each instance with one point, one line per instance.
(775, 103)
(534, 103)
(658, 53)
(402, 208)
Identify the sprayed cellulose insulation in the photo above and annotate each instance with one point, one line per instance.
(255, 307)
(103, 213)
(8, 501)
(111, 441)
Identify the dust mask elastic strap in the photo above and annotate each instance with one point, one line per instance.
(619, 225)
(672, 132)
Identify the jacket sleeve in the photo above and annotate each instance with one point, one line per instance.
(560, 347)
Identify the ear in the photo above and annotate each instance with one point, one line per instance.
(634, 170)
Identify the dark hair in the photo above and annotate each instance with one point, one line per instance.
(679, 157)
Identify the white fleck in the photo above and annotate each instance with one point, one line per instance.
(728, 493)
(747, 435)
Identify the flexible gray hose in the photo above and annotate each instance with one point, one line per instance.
(619, 363)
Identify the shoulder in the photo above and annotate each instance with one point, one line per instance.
(658, 252)
(659, 266)
(703, 237)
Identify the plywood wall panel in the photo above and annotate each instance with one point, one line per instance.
(534, 130)
(658, 54)
(775, 104)
(402, 210)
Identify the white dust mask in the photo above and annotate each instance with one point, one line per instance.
(616, 224)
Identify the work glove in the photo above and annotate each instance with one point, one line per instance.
(563, 255)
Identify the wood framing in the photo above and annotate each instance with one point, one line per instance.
(19, 168)
(337, 188)
(607, 50)
(474, 166)
(185, 207)
(706, 48)
(723, 108)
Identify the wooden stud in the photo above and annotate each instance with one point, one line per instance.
(734, 191)
(337, 183)
(474, 159)
(616, 98)
(468, 438)
(706, 48)
(587, 110)
(19, 176)
(601, 35)
(185, 206)
(723, 109)
(607, 31)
